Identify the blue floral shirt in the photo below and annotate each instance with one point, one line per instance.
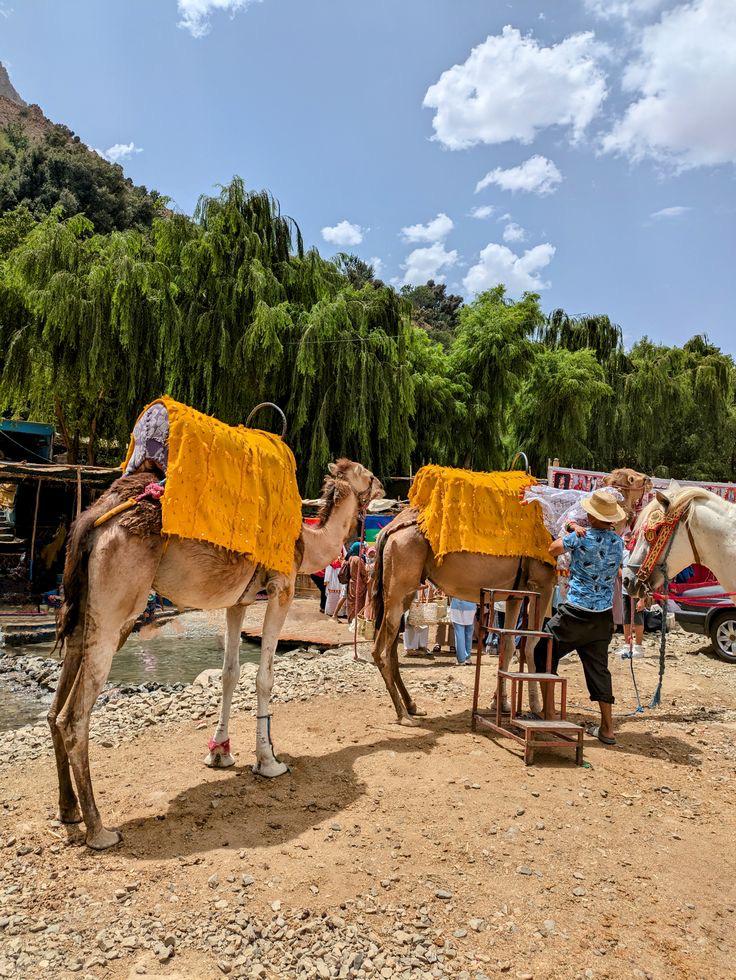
(594, 564)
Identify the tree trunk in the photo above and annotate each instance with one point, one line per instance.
(60, 418)
(93, 430)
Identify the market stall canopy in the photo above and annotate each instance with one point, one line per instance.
(98, 476)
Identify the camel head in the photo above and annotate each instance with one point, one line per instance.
(631, 484)
(346, 478)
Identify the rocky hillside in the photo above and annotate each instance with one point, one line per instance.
(6, 88)
(43, 164)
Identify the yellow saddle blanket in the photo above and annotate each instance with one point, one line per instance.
(231, 486)
(481, 512)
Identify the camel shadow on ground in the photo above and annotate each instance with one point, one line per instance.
(252, 812)
(236, 809)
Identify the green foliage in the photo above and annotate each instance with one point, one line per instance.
(356, 271)
(99, 313)
(493, 352)
(555, 405)
(434, 310)
(60, 170)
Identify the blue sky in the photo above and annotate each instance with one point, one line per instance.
(607, 129)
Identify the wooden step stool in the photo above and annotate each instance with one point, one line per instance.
(551, 731)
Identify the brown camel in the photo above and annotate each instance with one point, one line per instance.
(632, 485)
(108, 575)
(404, 559)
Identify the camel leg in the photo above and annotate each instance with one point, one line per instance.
(68, 809)
(506, 650)
(280, 596)
(113, 601)
(398, 680)
(385, 656)
(219, 756)
(540, 580)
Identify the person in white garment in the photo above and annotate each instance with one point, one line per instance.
(416, 638)
(333, 587)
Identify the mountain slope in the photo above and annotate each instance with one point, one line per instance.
(6, 87)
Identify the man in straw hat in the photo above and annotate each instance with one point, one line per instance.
(584, 622)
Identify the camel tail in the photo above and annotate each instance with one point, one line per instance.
(75, 575)
(377, 581)
(79, 546)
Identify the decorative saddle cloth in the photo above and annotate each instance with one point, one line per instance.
(228, 485)
(460, 510)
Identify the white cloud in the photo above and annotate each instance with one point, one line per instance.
(513, 232)
(434, 231)
(625, 9)
(510, 87)
(428, 263)
(120, 151)
(685, 77)
(343, 233)
(484, 211)
(676, 211)
(518, 273)
(377, 265)
(195, 14)
(537, 175)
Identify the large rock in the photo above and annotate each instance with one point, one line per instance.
(208, 678)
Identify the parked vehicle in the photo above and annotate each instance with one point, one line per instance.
(713, 616)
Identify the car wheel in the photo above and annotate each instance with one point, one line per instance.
(723, 636)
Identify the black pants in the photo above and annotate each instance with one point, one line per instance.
(319, 581)
(590, 634)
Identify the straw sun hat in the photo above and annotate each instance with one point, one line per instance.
(603, 506)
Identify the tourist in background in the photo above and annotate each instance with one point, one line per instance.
(333, 588)
(319, 580)
(462, 617)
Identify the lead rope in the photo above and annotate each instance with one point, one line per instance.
(360, 556)
(657, 696)
(630, 656)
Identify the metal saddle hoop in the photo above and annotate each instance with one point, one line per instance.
(268, 405)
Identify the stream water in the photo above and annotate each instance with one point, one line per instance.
(164, 659)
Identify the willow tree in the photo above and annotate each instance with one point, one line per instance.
(98, 316)
(261, 319)
(555, 406)
(243, 285)
(597, 333)
(492, 352)
(440, 400)
(678, 409)
(353, 392)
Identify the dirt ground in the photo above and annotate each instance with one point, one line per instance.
(624, 867)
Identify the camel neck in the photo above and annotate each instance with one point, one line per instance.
(322, 544)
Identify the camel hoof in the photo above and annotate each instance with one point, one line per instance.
(417, 712)
(69, 815)
(219, 760)
(103, 839)
(407, 721)
(270, 770)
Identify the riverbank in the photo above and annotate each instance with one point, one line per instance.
(386, 852)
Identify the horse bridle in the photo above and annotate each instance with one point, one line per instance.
(661, 537)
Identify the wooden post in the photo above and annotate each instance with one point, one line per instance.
(35, 527)
(79, 490)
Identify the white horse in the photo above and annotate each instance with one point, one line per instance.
(691, 526)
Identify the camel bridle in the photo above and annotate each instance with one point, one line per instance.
(364, 496)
